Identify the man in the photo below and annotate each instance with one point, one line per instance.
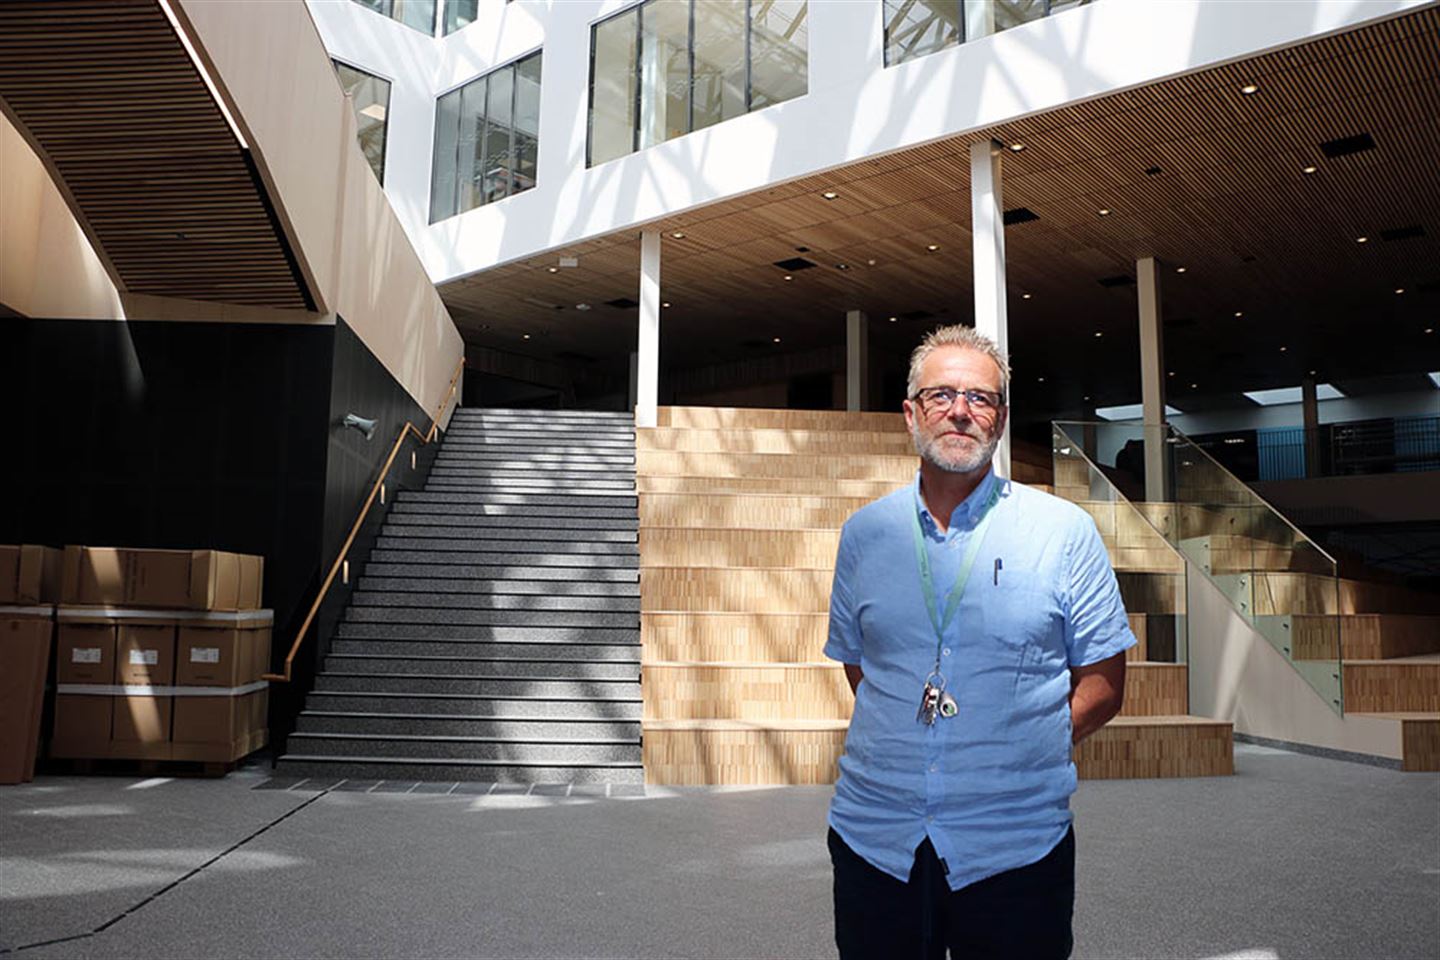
(982, 632)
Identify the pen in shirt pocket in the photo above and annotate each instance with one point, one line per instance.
(998, 567)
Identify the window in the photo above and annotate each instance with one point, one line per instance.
(418, 14)
(664, 68)
(914, 28)
(459, 13)
(487, 139)
(371, 98)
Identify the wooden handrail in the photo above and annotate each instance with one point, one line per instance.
(425, 439)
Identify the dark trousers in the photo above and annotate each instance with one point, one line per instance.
(1021, 914)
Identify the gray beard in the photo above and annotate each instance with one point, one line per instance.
(930, 451)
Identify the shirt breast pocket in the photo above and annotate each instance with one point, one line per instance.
(1022, 619)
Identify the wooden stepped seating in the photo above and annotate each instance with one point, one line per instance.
(740, 515)
(1364, 636)
(1401, 684)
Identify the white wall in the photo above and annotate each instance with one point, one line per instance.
(855, 108)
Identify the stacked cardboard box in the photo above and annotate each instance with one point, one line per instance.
(160, 654)
(29, 584)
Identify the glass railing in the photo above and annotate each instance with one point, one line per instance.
(1150, 571)
(1281, 582)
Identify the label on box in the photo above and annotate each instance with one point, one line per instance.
(204, 654)
(144, 658)
(85, 655)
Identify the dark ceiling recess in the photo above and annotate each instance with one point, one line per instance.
(622, 303)
(1019, 215)
(1344, 146)
(1403, 233)
(916, 315)
(1429, 286)
(794, 264)
(752, 344)
(1153, 171)
(1117, 281)
(1180, 323)
(571, 355)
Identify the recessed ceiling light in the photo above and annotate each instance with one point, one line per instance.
(893, 319)
(1179, 269)
(1435, 378)
(1085, 397)
(1312, 373)
(1249, 88)
(1016, 147)
(1307, 170)
(1239, 313)
(665, 304)
(1362, 239)
(1429, 329)
(1283, 395)
(933, 247)
(842, 266)
(553, 269)
(776, 340)
(1283, 349)
(788, 277)
(1194, 386)
(1172, 373)
(1104, 211)
(870, 263)
(1039, 379)
(678, 235)
(830, 195)
(525, 336)
(582, 306)
(1399, 289)
(1024, 296)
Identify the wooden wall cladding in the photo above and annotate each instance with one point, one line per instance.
(711, 547)
(767, 638)
(864, 489)
(684, 691)
(817, 469)
(749, 511)
(1388, 686)
(1151, 747)
(1152, 592)
(1306, 593)
(750, 418)
(1420, 742)
(840, 443)
(1155, 690)
(683, 754)
(721, 590)
(1365, 636)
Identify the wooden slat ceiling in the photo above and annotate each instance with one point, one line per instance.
(1229, 203)
(111, 101)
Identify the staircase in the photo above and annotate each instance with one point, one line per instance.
(494, 633)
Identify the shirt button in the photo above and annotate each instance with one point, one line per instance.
(929, 819)
(947, 651)
(934, 768)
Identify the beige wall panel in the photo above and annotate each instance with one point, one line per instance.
(1155, 690)
(742, 692)
(897, 469)
(1157, 747)
(682, 547)
(862, 489)
(760, 440)
(749, 418)
(762, 511)
(756, 637)
(1392, 685)
(694, 756)
(47, 266)
(751, 590)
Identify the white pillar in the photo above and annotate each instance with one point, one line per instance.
(987, 230)
(647, 364)
(1152, 377)
(1310, 410)
(857, 360)
(979, 19)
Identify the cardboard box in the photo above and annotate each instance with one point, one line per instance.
(141, 728)
(29, 574)
(82, 726)
(24, 662)
(145, 654)
(85, 653)
(162, 579)
(218, 729)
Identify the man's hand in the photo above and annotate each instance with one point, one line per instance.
(1096, 693)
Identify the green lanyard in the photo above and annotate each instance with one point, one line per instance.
(927, 582)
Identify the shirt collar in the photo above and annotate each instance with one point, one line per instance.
(963, 512)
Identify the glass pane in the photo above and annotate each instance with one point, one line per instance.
(719, 86)
(664, 71)
(612, 88)
(914, 28)
(498, 160)
(379, 6)
(779, 57)
(459, 13)
(527, 122)
(419, 14)
(443, 170)
(1012, 13)
(472, 144)
(370, 97)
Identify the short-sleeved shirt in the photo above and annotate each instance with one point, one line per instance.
(991, 786)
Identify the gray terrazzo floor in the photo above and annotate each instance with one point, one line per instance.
(1294, 857)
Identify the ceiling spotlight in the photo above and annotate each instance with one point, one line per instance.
(1429, 329)
(775, 340)
(830, 195)
(553, 269)
(1039, 379)
(1099, 334)
(788, 277)
(933, 247)
(870, 263)
(1179, 269)
(1172, 373)
(1239, 313)
(1362, 239)
(1312, 373)
(1249, 89)
(1194, 386)
(893, 319)
(1025, 296)
(582, 306)
(678, 235)
(665, 304)
(1399, 289)
(1283, 349)
(525, 336)
(1016, 147)
(842, 266)
(1307, 170)
(1104, 211)
(1085, 397)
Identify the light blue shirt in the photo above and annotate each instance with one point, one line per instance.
(991, 786)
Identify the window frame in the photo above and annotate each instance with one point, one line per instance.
(389, 95)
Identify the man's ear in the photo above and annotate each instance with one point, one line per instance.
(910, 413)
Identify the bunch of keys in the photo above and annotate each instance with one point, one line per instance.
(935, 701)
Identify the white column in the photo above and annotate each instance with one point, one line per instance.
(647, 364)
(979, 19)
(1310, 410)
(857, 360)
(1152, 377)
(987, 230)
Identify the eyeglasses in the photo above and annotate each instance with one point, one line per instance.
(938, 400)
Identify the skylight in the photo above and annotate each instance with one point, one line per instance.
(1435, 378)
(1269, 398)
(1130, 411)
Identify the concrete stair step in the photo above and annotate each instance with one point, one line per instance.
(472, 705)
(488, 667)
(496, 601)
(551, 511)
(617, 652)
(558, 526)
(524, 441)
(442, 725)
(508, 687)
(410, 747)
(501, 617)
(525, 484)
(586, 633)
(532, 415)
(531, 548)
(573, 470)
(515, 573)
(457, 586)
(414, 769)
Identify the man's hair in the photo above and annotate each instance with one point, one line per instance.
(957, 335)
